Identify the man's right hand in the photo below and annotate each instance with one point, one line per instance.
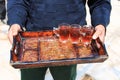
(13, 31)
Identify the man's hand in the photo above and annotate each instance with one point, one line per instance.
(99, 33)
(13, 31)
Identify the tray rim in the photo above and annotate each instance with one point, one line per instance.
(70, 62)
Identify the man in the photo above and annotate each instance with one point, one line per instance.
(35, 15)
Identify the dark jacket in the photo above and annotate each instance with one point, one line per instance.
(2, 10)
(45, 14)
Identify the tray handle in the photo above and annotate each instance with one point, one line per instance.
(13, 50)
(102, 49)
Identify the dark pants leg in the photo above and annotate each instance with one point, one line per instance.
(64, 72)
(33, 73)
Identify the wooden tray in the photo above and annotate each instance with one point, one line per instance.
(96, 55)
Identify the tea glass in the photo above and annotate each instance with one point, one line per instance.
(63, 32)
(75, 33)
(87, 33)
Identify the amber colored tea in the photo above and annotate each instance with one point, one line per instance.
(64, 32)
(75, 34)
(87, 33)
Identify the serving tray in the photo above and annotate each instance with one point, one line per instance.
(43, 49)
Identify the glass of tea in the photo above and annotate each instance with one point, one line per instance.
(75, 33)
(87, 33)
(63, 32)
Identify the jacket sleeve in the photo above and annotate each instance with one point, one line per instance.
(100, 12)
(17, 12)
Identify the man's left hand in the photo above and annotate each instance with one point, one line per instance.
(99, 33)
